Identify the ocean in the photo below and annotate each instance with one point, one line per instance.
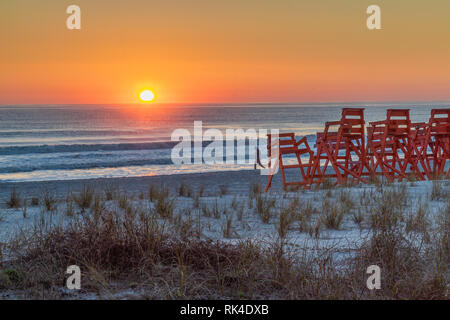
(64, 142)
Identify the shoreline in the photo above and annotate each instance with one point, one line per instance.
(237, 182)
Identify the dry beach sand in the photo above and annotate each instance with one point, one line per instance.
(229, 207)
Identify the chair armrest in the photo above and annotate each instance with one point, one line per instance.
(376, 123)
(328, 124)
(332, 123)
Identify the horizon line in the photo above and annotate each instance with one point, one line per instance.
(230, 104)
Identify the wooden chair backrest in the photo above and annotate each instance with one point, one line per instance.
(439, 123)
(352, 121)
(398, 122)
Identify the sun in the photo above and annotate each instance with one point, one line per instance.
(147, 96)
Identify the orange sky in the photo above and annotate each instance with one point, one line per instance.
(224, 51)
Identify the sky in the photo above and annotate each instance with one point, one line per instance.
(234, 51)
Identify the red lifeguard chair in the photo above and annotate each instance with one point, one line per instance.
(286, 145)
(395, 148)
(343, 149)
(436, 145)
(392, 143)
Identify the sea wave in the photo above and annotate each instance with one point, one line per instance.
(72, 133)
(85, 165)
(61, 148)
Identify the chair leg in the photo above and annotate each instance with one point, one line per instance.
(269, 183)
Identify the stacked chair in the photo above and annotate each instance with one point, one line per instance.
(342, 152)
(394, 148)
(437, 142)
(284, 145)
(391, 145)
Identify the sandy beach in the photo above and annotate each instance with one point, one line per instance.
(229, 207)
(236, 181)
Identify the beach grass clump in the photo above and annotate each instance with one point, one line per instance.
(264, 206)
(285, 220)
(196, 202)
(417, 220)
(227, 228)
(165, 207)
(412, 178)
(14, 199)
(375, 180)
(123, 201)
(201, 191)
(327, 184)
(223, 189)
(316, 229)
(436, 190)
(205, 211)
(250, 202)
(388, 208)
(184, 227)
(303, 215)
(152, 193)
(255, 190)
(110, 192)
(157, 192)
(346, 200)
(400, 193)
(185, 191)
(217, 211)
(98, 206)
(213, 210)
(49, 201)
(303, 223)
(24, 209)
(236, 205)
(358, 217)
(306, 208)
(332, 215)
(34, 201)
(366, 197)
(85, 197)
(240, 213)
(70, 210)
(312, 227)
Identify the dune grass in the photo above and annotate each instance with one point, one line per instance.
(159, 250)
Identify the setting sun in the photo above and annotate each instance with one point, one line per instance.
(147, 96)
